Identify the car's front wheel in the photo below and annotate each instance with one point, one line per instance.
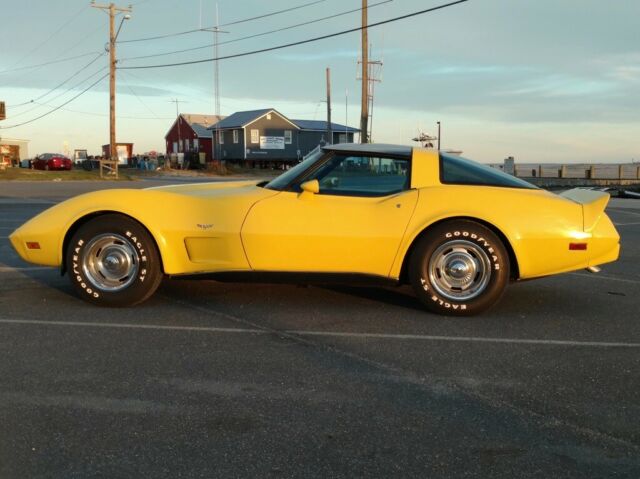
(113, 261)
(459, 268)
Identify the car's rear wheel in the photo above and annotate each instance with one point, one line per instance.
(459, 268)
(113, 261)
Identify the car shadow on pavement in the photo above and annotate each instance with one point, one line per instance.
(401, 296)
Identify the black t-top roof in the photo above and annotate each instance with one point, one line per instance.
(382, 149)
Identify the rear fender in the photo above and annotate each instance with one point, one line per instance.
(603, 241)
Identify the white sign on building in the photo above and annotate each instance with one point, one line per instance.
(272, 142)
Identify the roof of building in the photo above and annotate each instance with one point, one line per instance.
(321, 125)
(372, 148)
(201, 123)
(242, 118)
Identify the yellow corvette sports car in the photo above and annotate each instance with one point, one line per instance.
(457, 231)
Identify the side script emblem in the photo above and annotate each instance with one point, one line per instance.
(205, 227)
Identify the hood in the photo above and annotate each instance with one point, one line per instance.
(214, 188)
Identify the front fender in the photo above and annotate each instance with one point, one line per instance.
(173, 220)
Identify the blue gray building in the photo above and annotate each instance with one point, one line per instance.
(268, 138)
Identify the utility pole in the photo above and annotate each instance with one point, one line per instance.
(216, 86)
(329, 128)
(113, 10)
(371, 73)
(346, 115)
(364, 109)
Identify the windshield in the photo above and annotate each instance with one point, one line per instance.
(282, 181)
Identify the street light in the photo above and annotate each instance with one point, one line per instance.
(126, 17)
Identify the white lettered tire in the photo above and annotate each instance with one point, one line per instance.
(459, 268)
(113, 261)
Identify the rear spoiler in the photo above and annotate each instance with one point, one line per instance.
(593, 204)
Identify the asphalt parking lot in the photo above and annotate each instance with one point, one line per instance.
(256, 380)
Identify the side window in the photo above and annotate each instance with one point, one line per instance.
(460, 171)
(287, 137)
(235, 136)
(255, 136)
(362, 176)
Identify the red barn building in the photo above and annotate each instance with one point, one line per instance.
(190, 134)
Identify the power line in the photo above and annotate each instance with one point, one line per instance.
(104, 115)
(58, 107)
(61, 93)
(47, 63)
(140, 100)
(271, 14)
(236, 22)
(255, 35)
(60, 84)
(301, 42)
(72, 18)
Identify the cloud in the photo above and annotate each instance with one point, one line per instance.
(473, 69)
(562, 86)
(319, 56)
(143, 90)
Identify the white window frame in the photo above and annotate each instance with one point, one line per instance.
(255, 136)
(196, 144)
(221, 137)
(236, 136)
(288, 137)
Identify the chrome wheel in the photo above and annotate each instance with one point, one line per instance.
(110, 262)
(459, 270)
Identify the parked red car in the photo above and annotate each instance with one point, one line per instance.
(51, 161)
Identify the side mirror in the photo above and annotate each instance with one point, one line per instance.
(311, 186)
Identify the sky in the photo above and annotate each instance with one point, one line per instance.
(540, 80)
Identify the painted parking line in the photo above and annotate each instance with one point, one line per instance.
(156, 327)
(254, 331)
(471, 339)
(619, 210)
(604, 276)
(12, 269)
(25, 201)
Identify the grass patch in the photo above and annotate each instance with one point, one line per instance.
(24, 174)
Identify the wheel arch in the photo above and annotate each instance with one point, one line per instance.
(513, 259)
(90, 216)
